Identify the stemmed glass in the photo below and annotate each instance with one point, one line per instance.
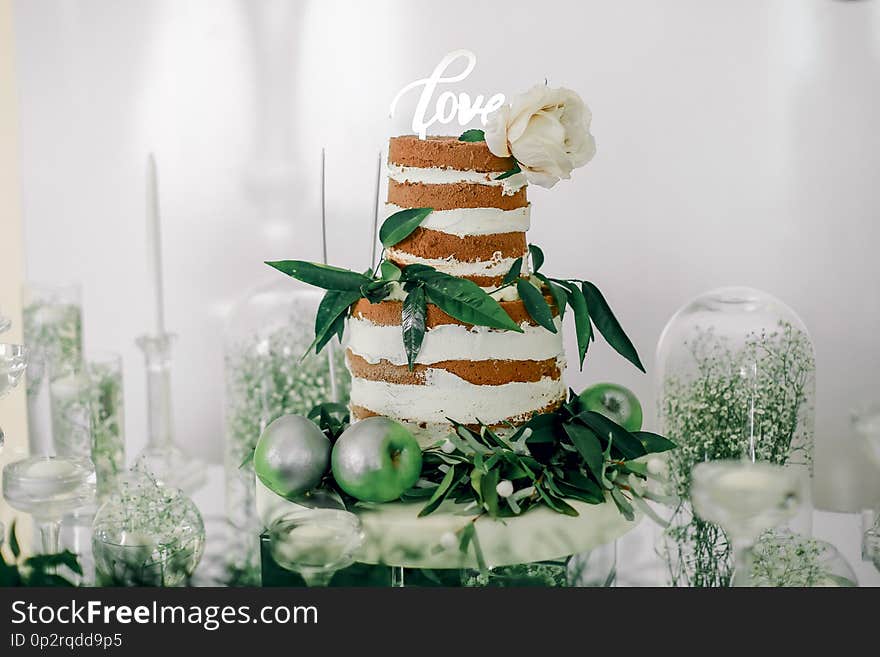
(316, 542)
(48, 488)
(746, 499)
(13, 363)
(866, 422)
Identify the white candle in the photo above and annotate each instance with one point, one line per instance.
(154, 246)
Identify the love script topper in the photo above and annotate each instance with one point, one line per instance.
(448, 105)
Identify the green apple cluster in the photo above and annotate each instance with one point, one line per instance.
(374, 460)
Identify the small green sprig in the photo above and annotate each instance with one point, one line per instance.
(569, 454)
(38, 570)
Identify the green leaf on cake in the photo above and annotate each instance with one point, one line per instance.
(472, 135)
(588, 446)
(320, 275)
(400, 225)
(331, 314)
(413, 318)
(511, 172)
(579, 307)
(460, 298)
(623, 441)
(560, 296)
(513, 273)
(389, 271)
(537, 256)
(440, 493)
(654, 443)
(536, 304)
(608, 325)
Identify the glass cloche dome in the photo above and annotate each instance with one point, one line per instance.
(267, 334)
(736, 379)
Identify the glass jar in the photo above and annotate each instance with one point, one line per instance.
(736, 379)
(266, 375)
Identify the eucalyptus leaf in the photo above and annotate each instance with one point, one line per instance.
(401, 224)
(462, 299)
(389, 271)
(320, 275)
(514, 272)
(537, 256)
(472, 136)
(536, 305)
(579, 307)
(510, 172)
(587, 445)
(624, 441)
(440, 493)
(560, 296)
(653, 442)
(608, 325)
(489, 492)
(413, 322)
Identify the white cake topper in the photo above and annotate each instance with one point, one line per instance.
(448, 105)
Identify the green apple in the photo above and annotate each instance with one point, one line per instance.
(376, 460)
(292, 455)
(614, 402)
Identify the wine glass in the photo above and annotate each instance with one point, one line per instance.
(745, 499)
(316, 542)
(866, 423)
(13, 363)
(48, 488)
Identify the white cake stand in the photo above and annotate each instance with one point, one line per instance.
(396, 536)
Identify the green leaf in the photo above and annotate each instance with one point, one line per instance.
(583, 328)
(413, 317)
(440, 493)
(488, 491)
(247, 460)
(462, 299)
(514, 272)
(401, 224)
(536, 304)
(654, 443)
(14, 547)
(389, 271)
(43, 562)
(336, 328)
(578, 480)
(608, 325)
(332, 307)
(623, 504)
(472, 135)
(511, 172)
(560, 296)
(537, 256)
(320, 275)
(587, 445)
(375, 291)
(625, 442)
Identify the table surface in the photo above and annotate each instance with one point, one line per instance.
(637, 560)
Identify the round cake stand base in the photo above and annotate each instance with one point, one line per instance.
(396, 536)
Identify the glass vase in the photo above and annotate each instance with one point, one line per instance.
(267, 335)
(53, 331)
(736, 379)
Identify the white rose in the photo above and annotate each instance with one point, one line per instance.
(547, 131)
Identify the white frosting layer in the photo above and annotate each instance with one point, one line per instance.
(445, 395)
(497, 266)
(438, 176)
(454, 342)
(464, 222)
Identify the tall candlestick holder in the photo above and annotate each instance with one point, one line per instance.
(161, 458)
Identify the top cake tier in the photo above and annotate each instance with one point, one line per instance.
(479, 223)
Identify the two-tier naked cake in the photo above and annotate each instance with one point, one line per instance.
(477, 230)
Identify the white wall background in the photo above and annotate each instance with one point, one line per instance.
(737, 144)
